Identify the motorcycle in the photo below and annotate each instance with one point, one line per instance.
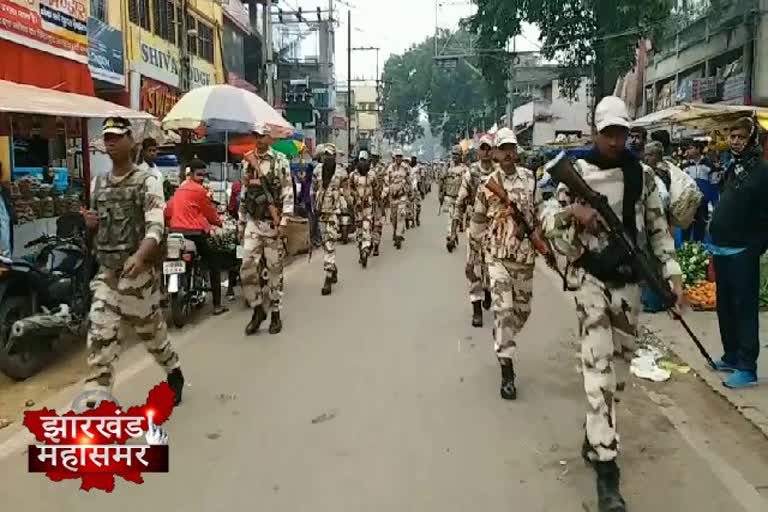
(41, 301)
(186, 281)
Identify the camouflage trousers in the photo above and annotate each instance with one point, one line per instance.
(477, 286)
(511, 291)
(120, 302)
(329, 225)
(398, 210)
(262, 252)
(379, 215)
(364, 228)
(608, 330)
(449, 206)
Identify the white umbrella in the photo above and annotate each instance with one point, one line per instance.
(224, 108)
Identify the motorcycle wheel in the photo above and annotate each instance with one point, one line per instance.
(179, 310)
(17, 364)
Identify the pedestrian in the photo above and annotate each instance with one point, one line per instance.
(479, 284)
(739, 231)
(449, 191)
(703, 171)
(416, 177)
(399, 187)
(510, 258)
(379, 201)
(607, 293)
(361, 183)
(8, 219)
(268, 191)
(331, 195)
(148, 156)
(637, 138)
(127, 217)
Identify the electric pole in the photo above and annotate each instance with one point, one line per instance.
(349, 85)
(184, 72)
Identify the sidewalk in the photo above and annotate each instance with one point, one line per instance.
(751, 403)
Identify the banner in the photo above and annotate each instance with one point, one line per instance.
(157, 98)
(105, 52)
(59, 27)
(159, 60)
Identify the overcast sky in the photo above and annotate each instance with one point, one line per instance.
(393, 26)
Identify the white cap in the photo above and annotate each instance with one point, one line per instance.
(611, 111)
(363, 155)
(485, 139)
(261, 129)
(397, 152)
(505, 136)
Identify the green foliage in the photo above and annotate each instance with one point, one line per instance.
(601, 34)
(454, 100)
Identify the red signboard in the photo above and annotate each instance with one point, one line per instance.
(156, 98)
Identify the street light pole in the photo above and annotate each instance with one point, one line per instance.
(349, 85)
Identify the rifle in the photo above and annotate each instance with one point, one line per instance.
(539, 244)
(562, 171)
(255, 163)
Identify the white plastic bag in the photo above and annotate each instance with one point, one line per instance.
(684, 197)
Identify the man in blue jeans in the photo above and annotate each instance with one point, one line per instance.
(739, 231)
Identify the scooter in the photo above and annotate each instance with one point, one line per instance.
(41, 301)
(186, 281)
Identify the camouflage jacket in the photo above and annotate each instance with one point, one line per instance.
(276, 168)
(398, 181)
(569, 240)
(334, 198)
(471, 180)
(362, 189)
(450, 182)
(130, 209)
(492, 229)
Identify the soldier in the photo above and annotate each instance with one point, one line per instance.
(479, 285)
(362, 182)
(127, 217)
(379, 201)
(416, 190)
(509, 254)
(449, 190)
(607, 291)
(399, 186)
(330, 189)
(266, 204)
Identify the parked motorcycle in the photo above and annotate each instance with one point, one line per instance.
(41, 301)
(186, 280)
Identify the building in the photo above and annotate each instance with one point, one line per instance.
(341, 125)
(719, 57)
(367, 113)
(236, 31)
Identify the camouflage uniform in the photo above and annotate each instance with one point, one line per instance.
(130, 209)
(449, 191)
(380, 199)
(261, 238)
(361, 187)
(465, 200)
(510, 260)
(330, 200)
(607, 313)
(415, 200)
(399, 186)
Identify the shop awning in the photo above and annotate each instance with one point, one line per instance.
(27, 99)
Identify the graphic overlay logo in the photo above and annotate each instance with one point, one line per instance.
(98, 444)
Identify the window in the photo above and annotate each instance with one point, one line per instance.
(138, 13)
(177, 21)
(191, 39)
(165, 20)
(99, 10)
(205, 41)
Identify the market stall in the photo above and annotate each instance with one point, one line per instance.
(45, 154)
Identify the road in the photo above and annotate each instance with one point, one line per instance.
(382, 397)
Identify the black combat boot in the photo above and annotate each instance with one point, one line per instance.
(364, 258)
(256, 319)
(275, 324)
(335, 275)
(176, 382)
(609, 497)
(477, 314)
(449, 245)
(398, 242)
(376, 249)
(327, 286)
(487, 300)
(508, 390)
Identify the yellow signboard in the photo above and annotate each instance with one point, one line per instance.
(159, 60)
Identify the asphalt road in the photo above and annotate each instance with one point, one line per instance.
(382, 397)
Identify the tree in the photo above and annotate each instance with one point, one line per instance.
(597, 34)
(455, 101)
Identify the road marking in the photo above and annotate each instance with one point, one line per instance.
(744, 493)
(62, 401)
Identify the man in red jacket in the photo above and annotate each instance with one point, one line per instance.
(191, 212)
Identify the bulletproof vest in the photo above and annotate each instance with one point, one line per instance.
(120, 207)
(256, 199)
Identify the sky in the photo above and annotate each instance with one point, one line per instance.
(393, 26)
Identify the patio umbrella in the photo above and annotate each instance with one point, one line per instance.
(224, 108)
(244, 143)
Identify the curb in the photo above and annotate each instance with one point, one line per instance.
(691, 357)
